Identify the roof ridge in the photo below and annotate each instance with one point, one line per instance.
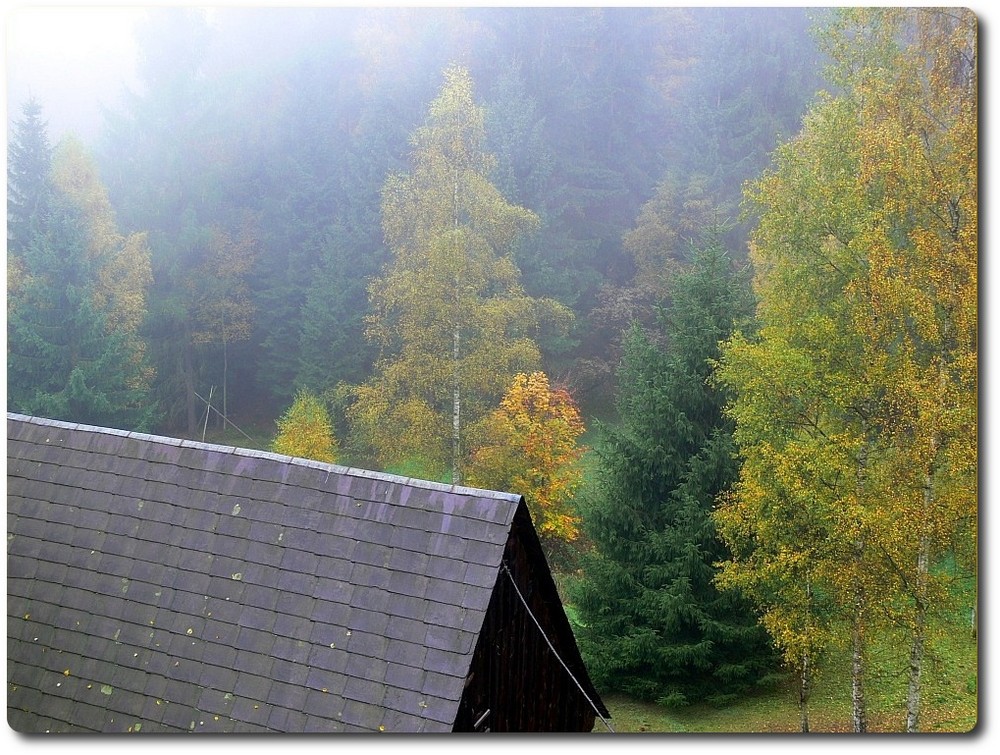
(358, 472)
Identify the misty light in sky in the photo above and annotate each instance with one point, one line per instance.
(71, 59)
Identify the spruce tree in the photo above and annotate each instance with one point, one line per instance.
(655, 626)
(29, 156)
(62, 359)
(72, 347)
(332, 346)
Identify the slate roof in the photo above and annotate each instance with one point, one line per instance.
(156, 584)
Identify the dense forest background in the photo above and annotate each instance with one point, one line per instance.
(279, 127)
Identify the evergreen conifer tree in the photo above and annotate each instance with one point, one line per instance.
(69, 355)
(29, 156)
(62, 359)
(655, 626)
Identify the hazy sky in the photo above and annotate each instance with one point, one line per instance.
(71, 58)
(74, 57)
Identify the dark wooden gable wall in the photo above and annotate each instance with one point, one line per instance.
(518, 681)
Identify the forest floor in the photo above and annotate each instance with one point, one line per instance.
(950, 700)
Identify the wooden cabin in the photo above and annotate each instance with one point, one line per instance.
(162, 585)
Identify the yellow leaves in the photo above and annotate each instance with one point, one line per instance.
(528, 445)
(124, 270)
(123, 284)
(305, 430)
(223, 308)
(75, 175)
(449, 311)
(17, 279)
(855, 404)
(654, 243)
(402, 432)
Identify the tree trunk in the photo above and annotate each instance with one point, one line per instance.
(917, 644)
(225, 377)
(806, 671)
(187, 371)
(456, 400)
(804, 694)
(920, 597)
(920, 622)
(456, 414)
(859, 715)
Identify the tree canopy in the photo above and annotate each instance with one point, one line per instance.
(76, 290)
(449, 313)
(654, 623)
(854, 402)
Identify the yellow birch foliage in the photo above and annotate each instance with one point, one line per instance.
(305, 430)
(528, 445)
(122, 264)
(919, 165)
(453, 323)
(16, 280)
(855, 404)
(224, 311)
(802, 513)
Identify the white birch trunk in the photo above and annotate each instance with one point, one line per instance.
(456, 399)
(804, 694)
(920, 598)
(917, 643)
(456, 414)
(806, 671)
(225, 377)
(859, 716)
(913, 692)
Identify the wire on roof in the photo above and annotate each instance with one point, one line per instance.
(552, 648)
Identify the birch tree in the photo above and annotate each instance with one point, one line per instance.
(222, 307)
(855, 406)
(449, 314)
(915, 85)
(305, 430)
(803, 401)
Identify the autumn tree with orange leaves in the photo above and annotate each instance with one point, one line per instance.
(528, 445)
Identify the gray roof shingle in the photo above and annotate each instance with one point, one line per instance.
(158, 584)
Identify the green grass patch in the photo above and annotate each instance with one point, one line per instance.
(418, 470)
(949, 696)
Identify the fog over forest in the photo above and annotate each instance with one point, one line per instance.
(295, 118)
